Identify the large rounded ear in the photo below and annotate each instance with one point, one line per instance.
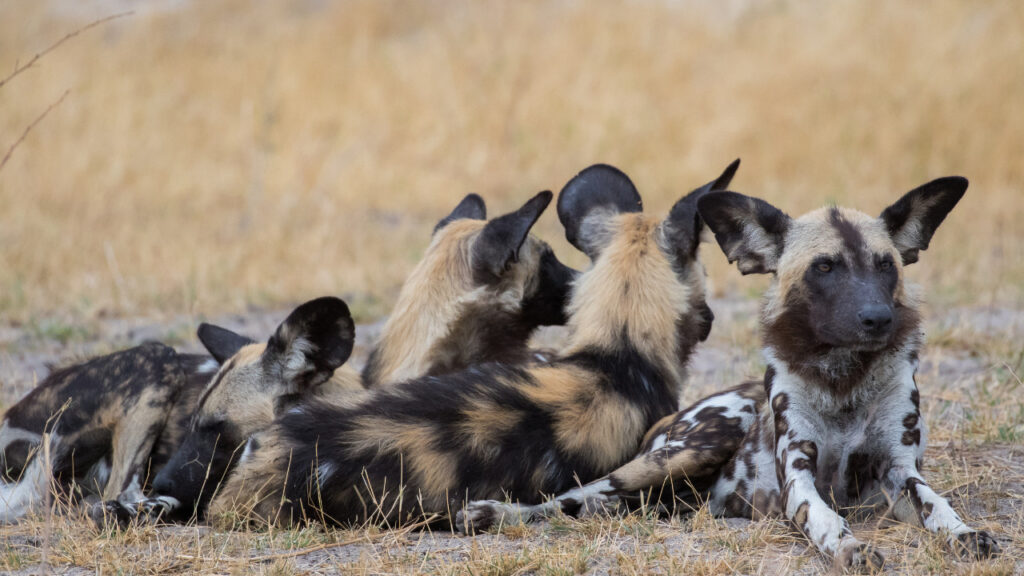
(592, 196)
(915, 217)
(684, 225)
(471, 207)
(221, 343)
(313, 342)
(497, 246)
(750, 231)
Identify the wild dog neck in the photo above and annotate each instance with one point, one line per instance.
(634, 297)
(430, 301)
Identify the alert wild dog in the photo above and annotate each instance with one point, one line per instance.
(425, 445)
(478, 294)
(836, 424)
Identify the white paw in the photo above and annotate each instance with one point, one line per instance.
(856, 556)
(480, 515)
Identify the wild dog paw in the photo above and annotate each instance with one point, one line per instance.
(158, 505)
(856, 556)
(480, 515)
(598, 505)
(975, 545)
(111, 514)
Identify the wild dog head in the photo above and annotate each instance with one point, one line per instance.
(838, 298)
(477, 295)
(638, 261)
(255, 382)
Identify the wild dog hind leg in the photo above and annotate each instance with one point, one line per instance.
(685, 445)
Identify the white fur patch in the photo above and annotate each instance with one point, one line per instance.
(297, 361)
(325, 470)
(19, 498)
(209, 366)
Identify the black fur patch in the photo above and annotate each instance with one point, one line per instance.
(925, 208)
(526, 460)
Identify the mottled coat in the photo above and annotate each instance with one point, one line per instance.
(478, 294)
(109, 423)
(835, 426)
(496, 429)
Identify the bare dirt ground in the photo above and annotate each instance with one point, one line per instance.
(972, 398)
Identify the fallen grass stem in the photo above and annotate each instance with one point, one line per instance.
(309, 550)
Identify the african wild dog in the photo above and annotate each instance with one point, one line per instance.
(836, 419)
(480, 291)
(107, 421)
(523, 430)
(478, 294)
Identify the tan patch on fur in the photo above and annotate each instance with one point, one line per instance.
(434, 471)
(663, 426)
(485, 424)
(587, 421)
(423, 330)
(631, 288)
(253, 490)
(428, 302)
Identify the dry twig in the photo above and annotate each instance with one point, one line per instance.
(68, 36)
(28, 128)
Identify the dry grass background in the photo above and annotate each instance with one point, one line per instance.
(215, 156)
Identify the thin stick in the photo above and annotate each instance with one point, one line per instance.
(68, 36)
(30, 127)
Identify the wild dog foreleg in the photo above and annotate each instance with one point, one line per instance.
(915, 501)
(796, 463)
(134, 439)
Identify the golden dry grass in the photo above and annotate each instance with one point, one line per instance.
(214, 155)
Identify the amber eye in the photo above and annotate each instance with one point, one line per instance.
(823, 267)
(885, 265)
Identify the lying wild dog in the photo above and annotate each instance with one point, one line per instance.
(524, 430)
(107, 423)
(129, 412)
(836, 419)
(480, 291)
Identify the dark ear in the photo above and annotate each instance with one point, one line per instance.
(497, 246)
(588, 199)
(750, 231)
(314, 340)
(683, 226)
(915, 217)
(221, 343)
(472, 207)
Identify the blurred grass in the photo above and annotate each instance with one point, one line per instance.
(217, 155)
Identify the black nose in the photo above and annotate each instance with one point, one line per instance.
(875, 319)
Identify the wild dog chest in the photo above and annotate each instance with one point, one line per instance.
(847, 439)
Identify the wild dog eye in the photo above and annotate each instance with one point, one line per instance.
(823, 267)
(885, 265)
